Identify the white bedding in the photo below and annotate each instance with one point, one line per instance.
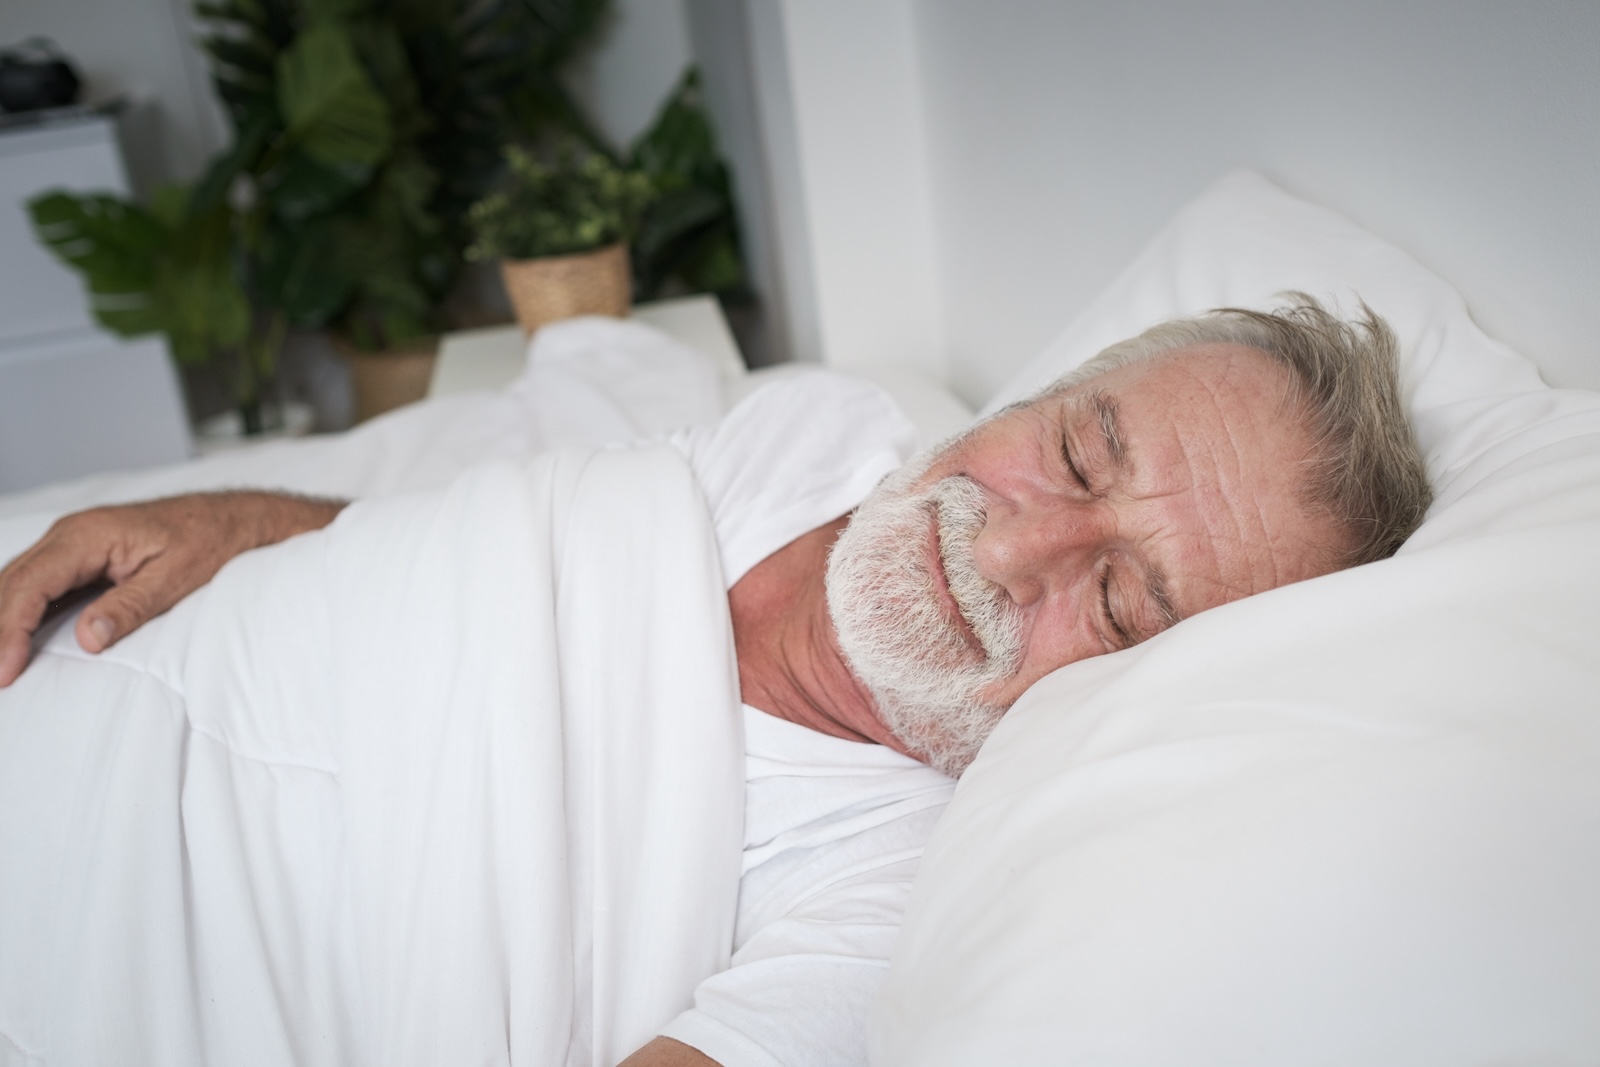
(344, 806)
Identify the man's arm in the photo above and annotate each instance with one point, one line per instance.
(665, 1052)
(154, 554)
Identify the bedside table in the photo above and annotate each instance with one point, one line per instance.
(492, 358)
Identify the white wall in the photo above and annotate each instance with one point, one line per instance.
(1061, 136)
(864, 181)
(839, 107)
(643, 52)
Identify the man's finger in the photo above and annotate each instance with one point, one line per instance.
(125, 607)
(14, 648)
(28, 585)
(118, 611)
(58, 564)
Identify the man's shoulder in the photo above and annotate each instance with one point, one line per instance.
(794, 452)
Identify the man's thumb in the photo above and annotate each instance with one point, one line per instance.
(96, 632)
(113, 615)
(124, 608)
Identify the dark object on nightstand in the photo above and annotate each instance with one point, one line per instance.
(35, 75)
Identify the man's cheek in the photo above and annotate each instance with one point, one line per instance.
(1056, 636)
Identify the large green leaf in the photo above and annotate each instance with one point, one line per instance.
(301, 273)
(245, 39)
(150, 271)
(402, 194)
(302, 187)
(679, 146)
(690, 233)
(674, 215)
(240, 158)
(203, 308)
(330, 108)
(117, 248)
(383, 54)
(197, 292)
(335, 10)
(390, 302)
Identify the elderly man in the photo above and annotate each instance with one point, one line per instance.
(1203, 461)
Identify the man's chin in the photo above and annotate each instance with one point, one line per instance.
(947, 737)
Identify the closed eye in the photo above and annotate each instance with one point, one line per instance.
(1123, 637)
(1072, 467)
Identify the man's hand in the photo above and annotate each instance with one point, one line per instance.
(153, 554)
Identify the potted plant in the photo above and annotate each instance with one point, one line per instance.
(339, 227)
(361, 132)
(672, 197)
(367, 229)
(315, 215)
(560, 230)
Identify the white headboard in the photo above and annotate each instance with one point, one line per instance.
(1036, 145)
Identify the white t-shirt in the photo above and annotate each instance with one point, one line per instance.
(834, 829)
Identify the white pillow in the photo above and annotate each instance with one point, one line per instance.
(1354, 820)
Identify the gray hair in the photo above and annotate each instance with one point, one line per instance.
(1366, 471)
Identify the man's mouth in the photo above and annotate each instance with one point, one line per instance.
(941, 582)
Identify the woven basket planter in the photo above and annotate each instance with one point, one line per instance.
(389, 379)
(559, 287)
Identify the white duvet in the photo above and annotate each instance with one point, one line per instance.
(456, 780)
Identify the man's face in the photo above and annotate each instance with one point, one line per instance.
(1080, 524)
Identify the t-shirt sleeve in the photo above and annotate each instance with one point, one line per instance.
(789, 457)
(813, 955)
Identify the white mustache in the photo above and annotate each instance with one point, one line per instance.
(896, 630)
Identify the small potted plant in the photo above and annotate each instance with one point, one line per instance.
(560, 230)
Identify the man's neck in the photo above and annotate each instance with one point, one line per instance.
(790, 663)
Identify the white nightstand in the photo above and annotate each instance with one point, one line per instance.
(492, 358)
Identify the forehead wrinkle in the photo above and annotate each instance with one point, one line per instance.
(1258, 555)
(1208, 461)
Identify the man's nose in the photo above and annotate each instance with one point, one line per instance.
(1032, 549)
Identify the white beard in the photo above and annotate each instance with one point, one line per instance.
(893, 624)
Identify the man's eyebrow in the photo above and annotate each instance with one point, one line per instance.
(1105, 409)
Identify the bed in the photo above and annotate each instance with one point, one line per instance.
(1353, 820)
